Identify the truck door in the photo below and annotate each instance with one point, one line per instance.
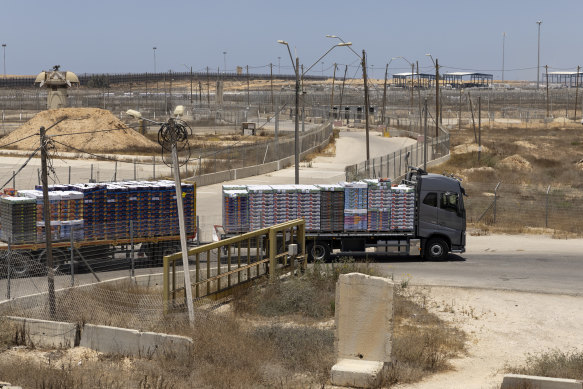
(449, 216)
(428, 208)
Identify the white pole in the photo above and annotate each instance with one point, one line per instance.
(187, 284)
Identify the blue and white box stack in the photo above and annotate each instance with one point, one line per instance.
(286, 203)
(331, 207)
(403, 208)
(379, 204)
(355, 206)
(309, 203)
(261, 206)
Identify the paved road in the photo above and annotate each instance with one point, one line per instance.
(521, 262)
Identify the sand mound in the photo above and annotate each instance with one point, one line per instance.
(525, 144)
(469, 148)
(94, 129)
(479, 172)
(515, 162)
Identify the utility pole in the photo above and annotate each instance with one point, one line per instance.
(247, 85)
(365, 103)
(576, 91)
(459, 120)
(411, 98)
(436, 97)
(342, 94)
(538, 56)
(479, 128)
(425, 136)
(332, 98)
(47, 220)
(503, 42)
(547, 77)
(208, 88)
(297, 127)
(384, 96)
(191, 85)
(184, 247)
(271, 78)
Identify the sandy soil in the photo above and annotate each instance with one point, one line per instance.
(502, 328)
(95, 130)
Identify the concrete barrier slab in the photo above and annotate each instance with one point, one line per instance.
(356, 373)
(518, 381)
(152, 343)
(112, 340)
(45, 333)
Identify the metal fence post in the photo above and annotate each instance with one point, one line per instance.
(547, 208)
(135, 175)
(394, 164)
(154, 167)
(272, 253)
(14, 179)
(495, 200)
(69, 175)
(132, 248)
(72, 256)
(9, 270)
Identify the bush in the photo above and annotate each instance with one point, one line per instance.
(553, 363)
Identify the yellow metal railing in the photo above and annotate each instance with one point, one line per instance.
(274, 240)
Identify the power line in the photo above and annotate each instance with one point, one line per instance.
(19, 140)
(22, 167)
(97, 156)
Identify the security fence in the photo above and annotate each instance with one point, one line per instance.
(519, 207)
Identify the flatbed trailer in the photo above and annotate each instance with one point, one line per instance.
(29, 258)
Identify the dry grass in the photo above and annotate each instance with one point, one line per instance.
(275, 336)
(553, 363)
(526, 162)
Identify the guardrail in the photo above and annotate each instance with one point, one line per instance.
(258, 253)
(396, 164)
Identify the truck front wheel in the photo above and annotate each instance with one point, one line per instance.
(318, 251)
(436, 249)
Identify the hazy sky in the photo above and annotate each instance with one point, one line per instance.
(118, 36)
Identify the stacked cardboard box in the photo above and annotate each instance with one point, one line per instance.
(355, 206)
(261, 206)
(309, 206)
(235, 210)
(286, 203)
(403, 208)
(18, 218)
(331, 207)
(379, 204)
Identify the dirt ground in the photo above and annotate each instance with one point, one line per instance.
(502, 328)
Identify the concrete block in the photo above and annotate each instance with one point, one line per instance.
(154, 343)
(518, 381)
(49, 334)
(111, 339)
(364, 317)
(356, 373)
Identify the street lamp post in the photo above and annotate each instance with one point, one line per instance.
(538, 56)
(385, 92)
(4, 49)
(436, 63)
(154, 48)
(366, 113)
(503, 41)
(296, 67)
(412, 78)
(224, 62)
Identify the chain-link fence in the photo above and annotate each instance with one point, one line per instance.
(519, 206)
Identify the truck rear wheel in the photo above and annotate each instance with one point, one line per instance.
(318, 251)
(436, 249)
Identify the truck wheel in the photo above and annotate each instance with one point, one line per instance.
(21, 264)
(59, 259)
(435, 249)
(318, 251)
